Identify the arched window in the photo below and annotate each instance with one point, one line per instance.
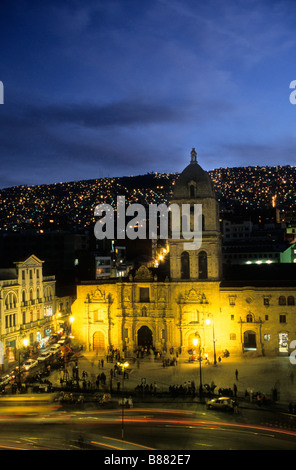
(202, 265)
(249, 318)
(10, 301)
(47, 293)
(282, 300)
(291, 300)
(185, 266)
(191, 191)
(144, 312)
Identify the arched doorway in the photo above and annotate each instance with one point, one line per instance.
(145, 337)
(99, 341)
(250, 340)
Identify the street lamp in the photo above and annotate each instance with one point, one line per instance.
(25, 343)
(208, 322)
(72, 318)
(197, 342)
(124, 366)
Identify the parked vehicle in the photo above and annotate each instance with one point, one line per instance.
(30, 363)
(221, 403)
(44, 356)
(5, 380)
(55, 348)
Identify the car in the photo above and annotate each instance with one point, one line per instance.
(221, 403)
(55, 348)
(30, 363)
(5, 380)
(44, 356)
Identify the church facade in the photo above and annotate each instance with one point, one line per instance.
(193, 307)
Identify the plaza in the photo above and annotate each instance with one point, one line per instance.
(260, 374)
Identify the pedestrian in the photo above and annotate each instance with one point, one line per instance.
(236, 374)
(235, 390)
(235, 407)
(258, 399)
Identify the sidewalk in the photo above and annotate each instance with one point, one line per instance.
(256, 374)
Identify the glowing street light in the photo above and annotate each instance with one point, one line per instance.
(208, 322)
(195, 343)
(124, 366)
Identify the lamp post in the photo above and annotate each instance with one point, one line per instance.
(72, 318)
(124, 366)
(25, 343)
(197, 342)
(208, 322)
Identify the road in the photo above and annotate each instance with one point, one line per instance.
(44, 425)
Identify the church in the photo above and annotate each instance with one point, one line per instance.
(196, 305)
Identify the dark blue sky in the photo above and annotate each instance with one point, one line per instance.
(96, 88)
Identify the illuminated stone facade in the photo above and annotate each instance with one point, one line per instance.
(192, 301)
(29, 308)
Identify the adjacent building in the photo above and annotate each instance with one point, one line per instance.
(29, 308)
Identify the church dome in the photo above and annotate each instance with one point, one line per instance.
(193, 182)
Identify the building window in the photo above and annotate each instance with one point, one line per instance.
(203, 265)
(232, 300)
(98, 315)
(195, 316)
(231, 317)
(47, 293)
(291, 300)
(9, 321)
(282, 300)
(266, 317)
(282, 318)
(266, 301)
(10, 301)
(144, 294)
(185, 266)
(249, 318)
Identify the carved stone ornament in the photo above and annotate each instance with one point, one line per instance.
(193, 296)
(143, 274)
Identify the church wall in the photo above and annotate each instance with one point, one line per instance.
(257, 310)
(111, 314)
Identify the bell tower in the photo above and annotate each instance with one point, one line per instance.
(204, 263)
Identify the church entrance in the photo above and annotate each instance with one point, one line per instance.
(145, 338)
(250, 341)
(99, 341)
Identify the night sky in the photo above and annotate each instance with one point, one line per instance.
(124, 87)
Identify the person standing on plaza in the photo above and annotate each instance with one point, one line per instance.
(236, 374)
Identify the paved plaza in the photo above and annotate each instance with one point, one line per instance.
(259, 374)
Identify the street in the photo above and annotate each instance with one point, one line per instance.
(157, 419)
(145, 428)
